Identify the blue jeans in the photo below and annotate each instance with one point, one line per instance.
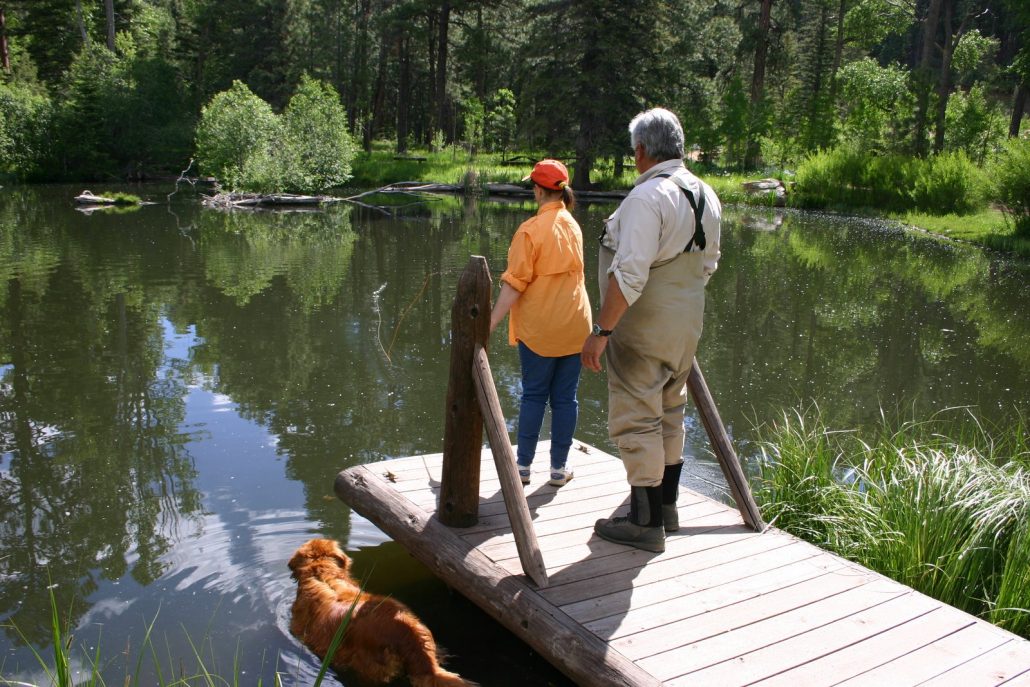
(544, 380)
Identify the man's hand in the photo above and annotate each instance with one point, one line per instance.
(593, 349)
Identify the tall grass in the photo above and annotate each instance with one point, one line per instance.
(60, 673)
(950, 518)
(846, 177)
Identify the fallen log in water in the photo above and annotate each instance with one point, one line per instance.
(244, 200)
(88, 198)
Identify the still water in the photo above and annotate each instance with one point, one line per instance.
(181, 385)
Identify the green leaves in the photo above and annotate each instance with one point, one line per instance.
(243, 143)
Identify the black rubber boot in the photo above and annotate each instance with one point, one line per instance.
(643, 528)
(670, 492)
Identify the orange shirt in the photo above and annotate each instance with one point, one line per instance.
(545, 264)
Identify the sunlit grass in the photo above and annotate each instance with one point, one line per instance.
(454, 165)
(988, 227)
(947, 517)
(59, 670)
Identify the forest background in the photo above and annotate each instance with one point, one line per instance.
(901, 104)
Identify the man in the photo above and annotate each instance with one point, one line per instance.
(655, 259)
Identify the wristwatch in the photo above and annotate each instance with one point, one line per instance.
(600, 332)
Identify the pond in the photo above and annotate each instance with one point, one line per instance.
(180, 386)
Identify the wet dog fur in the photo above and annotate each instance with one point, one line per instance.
(383, 639)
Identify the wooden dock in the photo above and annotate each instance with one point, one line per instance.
(723, 605)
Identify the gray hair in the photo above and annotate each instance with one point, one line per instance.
(659, 131)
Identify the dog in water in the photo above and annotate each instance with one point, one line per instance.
(383, 638)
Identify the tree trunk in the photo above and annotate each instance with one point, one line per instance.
(838, 53)
(758, 82)
(5, 55)
(443, 111)
(923, 75)
(359, 58)
(82, 22)
(403, 94)
(109, 12)
(944, 80)
(378, 95)
(1018, 107)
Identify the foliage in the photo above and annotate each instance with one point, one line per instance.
(475, 122)
(500, 121)
(62, 674)
(1010, 174)
(874, 101)
(236, 139)
(974, 124)
(948, 183)
(25, 120)
(845, 176)
(944, 517)
(316, 138)
(87, 126)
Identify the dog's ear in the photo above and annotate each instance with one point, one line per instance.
(342, 559)
(297, 561)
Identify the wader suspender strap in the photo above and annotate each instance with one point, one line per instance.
(698, 238)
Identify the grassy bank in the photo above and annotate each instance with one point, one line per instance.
(990, 228)
(985, 227)
(949, 517)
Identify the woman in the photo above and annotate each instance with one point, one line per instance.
(545, 291)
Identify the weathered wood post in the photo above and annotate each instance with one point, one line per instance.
(463, 428)
(723, 448)
(504, 458)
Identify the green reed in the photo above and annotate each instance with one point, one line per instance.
(949, 517)
(60, 674)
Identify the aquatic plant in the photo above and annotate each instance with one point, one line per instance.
(950, 518)
(60, 673)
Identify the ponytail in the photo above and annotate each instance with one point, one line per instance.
(568, 197)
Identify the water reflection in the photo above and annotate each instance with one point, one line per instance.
(179, 387)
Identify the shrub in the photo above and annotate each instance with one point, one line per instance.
(846, 176)
(25, 121)
(948, 183)
(1010, 175)
(243, 143)
(318, 141)
(849, 177)
(235, 140)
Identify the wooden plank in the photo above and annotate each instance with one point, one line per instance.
(651, 630)
(948, 651)
(495, 544)
(590, 549)
(723, 448)
(655, 592)
(882, 652)
(504, 460)
(659, 568)
(1008, 663)
(582, 656)
(683, 554)
(769, 647)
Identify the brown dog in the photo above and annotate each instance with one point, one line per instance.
(383, 639)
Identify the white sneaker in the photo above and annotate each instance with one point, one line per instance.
(560, 477)
(523, 474)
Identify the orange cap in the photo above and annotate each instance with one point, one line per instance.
(550, 174)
